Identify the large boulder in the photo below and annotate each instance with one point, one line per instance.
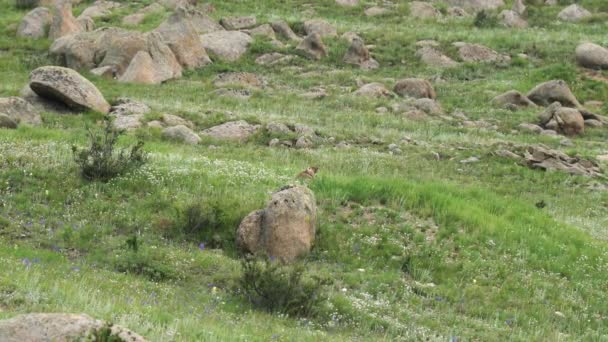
(478, 53)
(19, 111)
(285, 229)
(358, 54)
(42, 104)
(226, 45)
(430, 55)
(233, 130)
(181, 37)
(373, 89)
(69, 87)
(35, 23)
(574, 13)
(313, 47)
(154, 65)
(202, 23)
(117, 47)
(282, 29)
(568, 121)
(415, 87)
(76, 51)
(238, 23)
(556, 90)
(100, 8)
(64, 23)
(181, 133)
(419, 9)
(60, 327)
(592, 56)
(320, 27)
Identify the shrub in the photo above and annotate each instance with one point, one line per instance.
(279, 288)
(101, 160)
(484, 19)
(145, 263)
(26, 4)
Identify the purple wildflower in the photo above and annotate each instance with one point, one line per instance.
(201, 246)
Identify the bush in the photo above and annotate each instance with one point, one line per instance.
(101, 161)
(26, 4)
(484, 19)
(280, 288)
(146, 263)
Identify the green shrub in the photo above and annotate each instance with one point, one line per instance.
(279, 288)
(145, 262)
(26, 4)
(104, 334)
(102, 161)
(484, 19)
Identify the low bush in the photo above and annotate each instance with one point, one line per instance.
(484, 19)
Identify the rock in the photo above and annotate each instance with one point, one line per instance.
(155, 124)
(117, 47)
(277, 128)
(373, 90)
(312, 46)
(530, 128)
(35, 23)
(42, 104)
(242, 79)
(547, 114)
(512, 19)
(181, 133)
(358, 54)
(155, 65)
(376, 11)
(126, 106)
(470, 160)
(108, 72)
(127, 122)
(272, 58)
(320, 27)
(556, 90)
(77, 51)
(433, 57)
(304, 130)
(508, 154)
(7, 122)
(304, 142)
(263, 31)
(233, 130)
(457, 12)
(283, 29)
(348, 3)
(512, 98)
(479, 53)
(474, 6)
(285, 229)
(419, 9)
(226, 45)
(570, 121)
(573, 13)
(69, 87)
(63, 23)
(203, 24)
(100, 8)
(183, 40)
(173, 4)
(519, 7)
(238, 23)
(592, 56)
(428, 106)
(19, 111)
(541, 157)
(415, 88)
(593, 123)
(138, 17)
(60, 327)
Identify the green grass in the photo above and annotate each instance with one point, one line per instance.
(415, 248)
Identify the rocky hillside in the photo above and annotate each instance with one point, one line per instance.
(183, 170)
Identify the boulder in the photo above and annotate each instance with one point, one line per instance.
(282, 29)
(127, 122)
(139, 16)
(519, 7)
(415, 88)
(457, 12)
(479, 53)
(544, 158)
(242, 79)
(373, 90)
(171, 120)
(202, 23)
(100, 8)
(35, 23)
(7, 122)
(303, 143)
(263, 31)
(69, 87)
(573, 13)
(512, 98)
(320, 27)
(532, 128)
(77, 51)
(285, 229)
(181, 37)
(512, 19)
(117, 47)
(226, 45)
(431, 56)
(376, 11)
(42, 104)
(60, 327)
(556, 90)
(155, 65)
(63, 23)
(238, 23)
(428, 106)
(19, 111)
(358, 54)
(233, 130)
(126, 106)
(419, 9)
(474, 6)
(181, 133)
(592, 56)
(569, 121)
(312, 46)
(272, 58)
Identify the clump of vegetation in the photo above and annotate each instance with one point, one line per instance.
(102, 160)
(144, 262)
(272, 286)
(484, 19)
(26, 4)
(104, 334)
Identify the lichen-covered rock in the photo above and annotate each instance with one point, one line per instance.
(233, 130)
(19, 111)
(556, 90)
(155, 65)
(592, 56)
(35, 23)
(512, 98)
(181, 133)
(238, 23)
(226, 45)
(320, 27)
(313, 47)
(358, 54)
(415, 87)
(574, 13)
(373, 89)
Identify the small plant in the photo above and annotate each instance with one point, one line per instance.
(105, 334)
(146, 263)
(203, 221)
(101, 160)
(275, 287)
(26, 4)
(484, 19)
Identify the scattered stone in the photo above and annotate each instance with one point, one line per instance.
(155, 65)
(263, 31)
(60, 327)
(227, 45)
(63, 23)
(242, 79)
(285, 229)
(512, 98)
(470, 160)
(100, 8)
(592, 56)
(419, 9)
(347, 3)
(556, 90)
(181, 133)
(238, 23)
(233, 130)
(312, 46)
(314, 94)
(479, 53)
(433, 57)
(428, 106)
(203, 24)
(7, 122)
(19, 111)
(273, 58)
(415, 88)
(373, 90)
(127, 122)
(574, 13)
(358, 54)
(376, 11)
(530, 128)
(512, 19)
(283, 29)
(277, 128)
(304, 142)
(126, 106)
(320, 27)
(35, 23)
(69, 87)
(171, 120)
(544, 158)
(519, 7)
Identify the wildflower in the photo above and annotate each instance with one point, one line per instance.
(201, 246)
